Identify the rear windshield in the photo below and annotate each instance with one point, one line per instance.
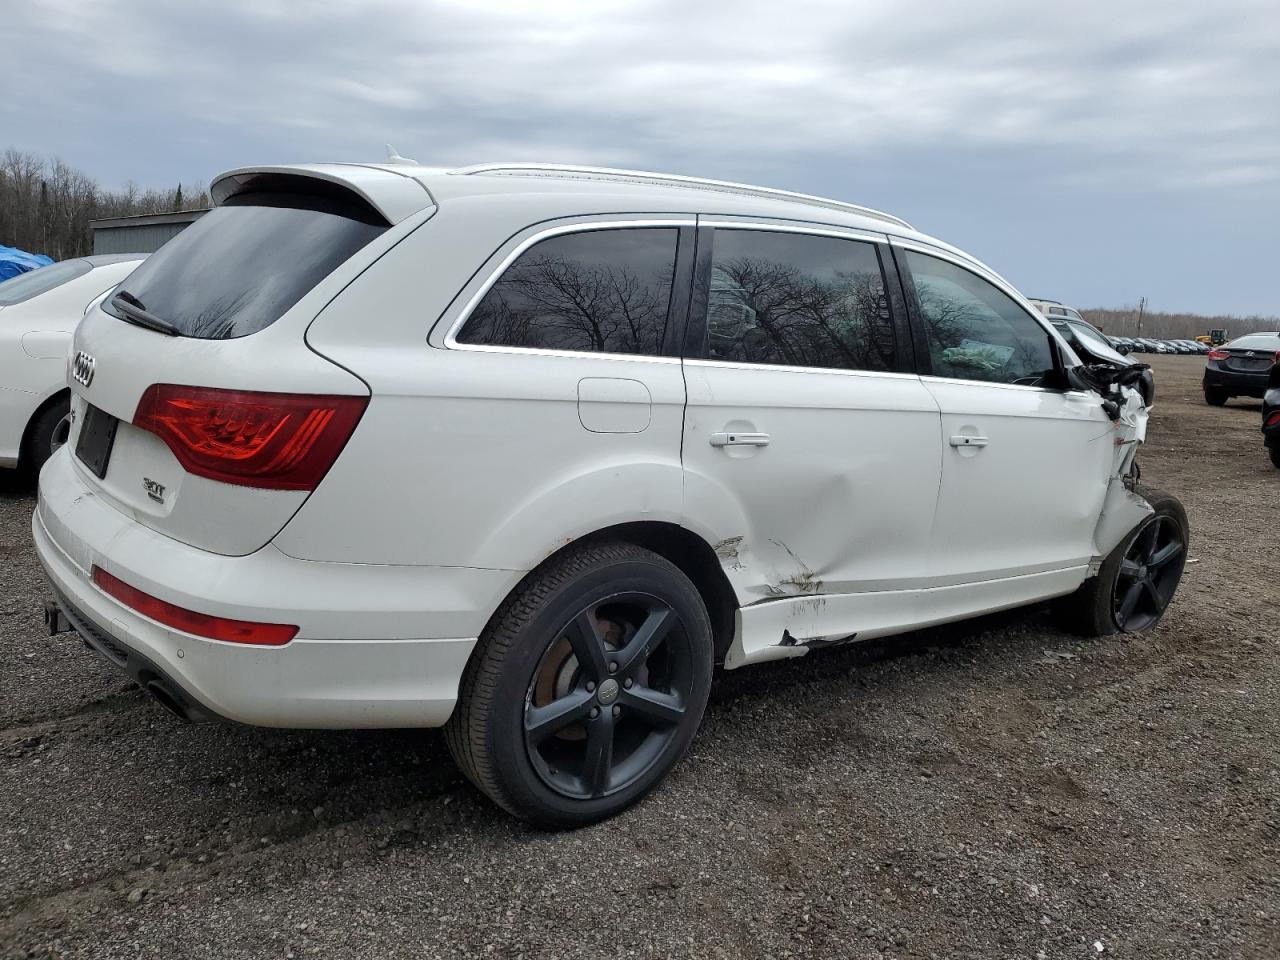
(1257, 341)
(23, 287)
(240, 267)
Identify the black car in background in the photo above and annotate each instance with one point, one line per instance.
(1271, 414)
(1240, 368)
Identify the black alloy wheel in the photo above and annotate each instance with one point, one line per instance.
(1149, 574)
(609, 696)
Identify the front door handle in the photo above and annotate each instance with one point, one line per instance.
(739, 439)
(963, 440)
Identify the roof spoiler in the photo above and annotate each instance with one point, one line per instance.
(393, 195)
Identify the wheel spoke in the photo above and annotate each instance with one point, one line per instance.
(1166, 553)
(1151, 536)
(1129, 569)
(588, 644)
(1129, 603)
(542, 722)
(651, 633)
(1157, 602)
(658, 708)
(598, 764)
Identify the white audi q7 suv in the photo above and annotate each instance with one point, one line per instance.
(525, 451)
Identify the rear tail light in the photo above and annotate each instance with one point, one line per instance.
(1218, 354)
(277, 441)
(188, 621)
(1272, 421)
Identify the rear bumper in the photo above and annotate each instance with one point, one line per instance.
(378, 646)
(1236, 384)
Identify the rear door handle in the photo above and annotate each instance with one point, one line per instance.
(960, 440)
(739, 439)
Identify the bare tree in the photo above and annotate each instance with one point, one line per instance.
(1180, 326)
(46, 205)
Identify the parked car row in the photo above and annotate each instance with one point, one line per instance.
(1060, 314)
(1149, 345)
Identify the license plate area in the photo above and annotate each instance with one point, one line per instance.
(97, 436)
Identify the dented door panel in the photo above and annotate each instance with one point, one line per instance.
(837, 495)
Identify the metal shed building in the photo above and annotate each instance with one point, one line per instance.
(146, 233)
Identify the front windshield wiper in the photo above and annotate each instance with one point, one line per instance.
(134, 312)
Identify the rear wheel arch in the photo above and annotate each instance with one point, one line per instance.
(690, 553)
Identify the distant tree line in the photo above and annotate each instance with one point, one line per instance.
(46, 206)
(1177, 326)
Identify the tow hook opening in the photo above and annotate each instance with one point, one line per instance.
(55, 621)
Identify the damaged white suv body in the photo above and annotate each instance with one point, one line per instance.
(524, 451)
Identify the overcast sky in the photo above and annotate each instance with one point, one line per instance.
(1092, 152)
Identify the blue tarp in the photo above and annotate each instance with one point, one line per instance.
(14, 261)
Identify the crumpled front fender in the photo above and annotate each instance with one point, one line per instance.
(1122, 508)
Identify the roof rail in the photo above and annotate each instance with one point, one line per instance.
(671, 179)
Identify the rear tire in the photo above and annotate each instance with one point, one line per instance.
(44, 431)
(1215, 397)
(1138, 578)
(1275, 456)
(586, 687)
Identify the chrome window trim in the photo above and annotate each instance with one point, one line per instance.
(930, 378)
(816, 229)
(785, 368)
(546, 233)
(564, 354)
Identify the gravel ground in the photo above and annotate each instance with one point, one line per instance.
(994, 789)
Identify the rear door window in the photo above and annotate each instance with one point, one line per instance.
(798, 300)
(974, 330)
(240, 267)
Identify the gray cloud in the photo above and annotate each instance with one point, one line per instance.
(936, 110)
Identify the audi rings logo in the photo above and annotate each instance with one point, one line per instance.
(82, 368)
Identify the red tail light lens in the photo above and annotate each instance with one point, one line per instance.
(277, 441)
(1272, 421)
(1218, 354)
(188, 621)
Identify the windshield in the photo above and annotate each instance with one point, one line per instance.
(240, 267)
(41, 280)
(1090, 335)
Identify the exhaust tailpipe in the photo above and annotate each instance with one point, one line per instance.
(55, 621)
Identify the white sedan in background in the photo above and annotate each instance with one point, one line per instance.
(38, 314)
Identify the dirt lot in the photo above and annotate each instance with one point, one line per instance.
(994, 789)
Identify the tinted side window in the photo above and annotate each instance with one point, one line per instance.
(974, 331)
(798, 300)
(600, 291)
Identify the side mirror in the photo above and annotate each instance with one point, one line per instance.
(1122, 349)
